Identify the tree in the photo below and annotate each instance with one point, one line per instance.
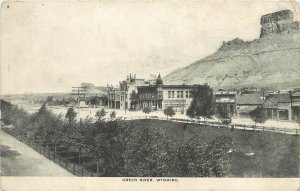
(49, 99)
(259, 115)
(43, 123)
(101, 113)
(71, 115)
(169, 111)
(95, 100)
(202, 103)
(113, 115)
(107, 143)
(217, 157)
(223, 115)
(147, 110)
(78, 135)
(190, 158)
(149, 153)
(133, 100)
(58, 133)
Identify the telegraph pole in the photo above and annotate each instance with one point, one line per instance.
(78, 91)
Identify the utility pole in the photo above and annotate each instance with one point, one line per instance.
(78, 91)
(126, 103)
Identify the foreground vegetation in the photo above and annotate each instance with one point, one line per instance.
(156, 148)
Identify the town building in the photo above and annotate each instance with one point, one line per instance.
(150, 95)
(295, 105)
(114, 96)
(271, 106)
(158, 96)
(178, 96)
(127, 87)
(247, 102)
(225, 100)
(278, 106)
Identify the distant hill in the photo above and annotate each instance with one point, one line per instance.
(272, 61)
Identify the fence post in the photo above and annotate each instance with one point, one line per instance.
(263, 128)
(244, 126)
(82, 171)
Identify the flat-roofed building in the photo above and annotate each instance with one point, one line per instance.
(178, 96)
(226, 100)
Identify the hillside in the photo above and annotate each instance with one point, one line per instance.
(273, 60)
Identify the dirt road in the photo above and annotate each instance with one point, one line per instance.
(17, 159)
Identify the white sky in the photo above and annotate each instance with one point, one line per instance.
(52, 46)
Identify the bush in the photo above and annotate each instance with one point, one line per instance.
(147, 110)
(223, 115)
(99, 114)
(169, 111)
(259, 115)
(113, 115)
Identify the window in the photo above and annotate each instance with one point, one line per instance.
(173, 94)
(122, 98)
(179, 94)
(169, 94)
(186, 94)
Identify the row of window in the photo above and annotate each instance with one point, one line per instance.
(171, 94)
(147, 95)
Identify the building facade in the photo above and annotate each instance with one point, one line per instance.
(114, 96)
(150, 95)
(225, 100)
(178, 96)
(247, 102)
(295, 105)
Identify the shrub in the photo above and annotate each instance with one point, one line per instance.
(99, 114)
(147, 110)
(169, 111)
(113, 115)
(259, 115)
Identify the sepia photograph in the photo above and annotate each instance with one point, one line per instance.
(150, 92)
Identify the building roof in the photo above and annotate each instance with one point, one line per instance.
(224, 92)
(144, 89)
(248, 99)
(179, 86)
(271, 103)
(296, 93)
(283, 98)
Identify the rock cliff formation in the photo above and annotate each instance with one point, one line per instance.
(278, 22)
(273, 60)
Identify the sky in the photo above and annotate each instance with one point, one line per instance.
(50, 46)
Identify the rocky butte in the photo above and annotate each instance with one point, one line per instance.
(272, 60)
(278, 23)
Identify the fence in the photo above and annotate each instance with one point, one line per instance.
(78, 170)
(291, 131)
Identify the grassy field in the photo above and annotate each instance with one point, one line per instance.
(269, 154)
